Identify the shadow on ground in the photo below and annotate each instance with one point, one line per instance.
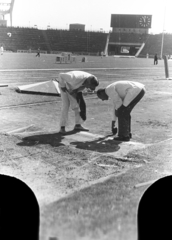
(99, 145)
(56, 139)
(53, 139)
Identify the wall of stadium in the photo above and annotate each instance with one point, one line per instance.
(77, 26)
(130, 30)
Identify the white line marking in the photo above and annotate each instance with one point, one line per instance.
(145, 183)
(68, 69)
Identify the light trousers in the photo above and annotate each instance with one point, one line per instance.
(69, 101)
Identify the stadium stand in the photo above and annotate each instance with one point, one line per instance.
(78, 42)
(132, 40)
(152, 42)
(153, 45)
(127, 37)
(52, 40)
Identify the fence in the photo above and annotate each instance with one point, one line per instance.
(31, 51)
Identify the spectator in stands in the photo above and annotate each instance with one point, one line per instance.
(38, 53)
(156, 59)
(124, 95)
(71, 85)
(2, 49)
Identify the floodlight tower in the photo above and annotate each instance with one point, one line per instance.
(6, 8)
(162, 43)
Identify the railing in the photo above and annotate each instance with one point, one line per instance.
(31, 51)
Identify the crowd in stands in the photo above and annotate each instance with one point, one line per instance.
(86, 42)
(127, 37)
(153, 45)
(52, 40)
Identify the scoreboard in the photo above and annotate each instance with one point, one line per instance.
(130, 21)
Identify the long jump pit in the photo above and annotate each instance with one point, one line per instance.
(57, 167)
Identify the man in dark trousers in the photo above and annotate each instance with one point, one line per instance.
(124, 95)
(38, 53)
(156, 59)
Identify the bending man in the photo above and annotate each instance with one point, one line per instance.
(71, 85)
(124, 95)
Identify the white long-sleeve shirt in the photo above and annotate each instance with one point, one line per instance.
(73, 80)
(122, 92)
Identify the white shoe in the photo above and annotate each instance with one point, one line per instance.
(81, 128)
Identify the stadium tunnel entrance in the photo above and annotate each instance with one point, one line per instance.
(123, 49)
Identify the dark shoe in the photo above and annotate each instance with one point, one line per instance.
(80, 128)
(62, 130)
(122, 139)
(114, 130)
(130, 135)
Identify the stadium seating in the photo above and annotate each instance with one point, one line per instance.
(52, 40)
(78, 42)
(154, 42)
(127, 37)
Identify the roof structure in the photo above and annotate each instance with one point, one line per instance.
(7, 8)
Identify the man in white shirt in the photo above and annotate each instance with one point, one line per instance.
(124, 95)
(71, 85)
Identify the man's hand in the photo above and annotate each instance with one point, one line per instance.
(113, 129)
(73, 93)
(81, 88)
(113, 124)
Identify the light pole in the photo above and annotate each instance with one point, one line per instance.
(87, 42)
(162, 42)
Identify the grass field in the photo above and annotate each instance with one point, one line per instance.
(84, 184)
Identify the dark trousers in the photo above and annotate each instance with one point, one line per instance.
(82, 105)
(124, 117)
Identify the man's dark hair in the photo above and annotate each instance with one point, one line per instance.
(100, 91)
(94, 81)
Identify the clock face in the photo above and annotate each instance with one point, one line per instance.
(145, 21)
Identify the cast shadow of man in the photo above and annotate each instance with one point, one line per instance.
(19, 210)
(103, 144)
(154, 216)
(53, 139)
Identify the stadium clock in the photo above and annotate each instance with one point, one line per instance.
(145, 21)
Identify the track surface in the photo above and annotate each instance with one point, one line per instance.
(104, 171)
